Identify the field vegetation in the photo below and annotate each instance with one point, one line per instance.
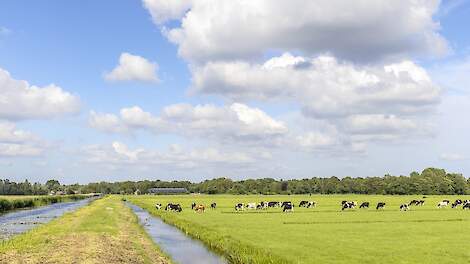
(324, 234)
(12, 202)
(106, 231)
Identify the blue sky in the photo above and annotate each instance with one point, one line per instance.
(243, 96)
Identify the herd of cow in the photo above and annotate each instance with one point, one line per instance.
(289, 206)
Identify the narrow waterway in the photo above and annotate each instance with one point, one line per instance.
(181, 248)
(20, 221)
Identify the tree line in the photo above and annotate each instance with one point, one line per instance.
(429, 181)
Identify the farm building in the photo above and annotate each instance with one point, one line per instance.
(167, 190)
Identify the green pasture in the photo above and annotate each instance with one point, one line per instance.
(324, 234)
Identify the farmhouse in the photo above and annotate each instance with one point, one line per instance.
(167, 190)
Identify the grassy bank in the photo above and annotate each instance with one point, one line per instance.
(106, 231)
(324, 234)
(8, 203)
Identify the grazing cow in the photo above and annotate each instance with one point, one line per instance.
(251, 206)
(303, 203)
(173, 207)
(193, 205)
(285, 203)
(288, 207)
(262, 205)
(158, 206)
(364, 205)
(311, 204)
(213, 205)
(239, 207)
(413, 202)
(348, 205)
(404, 207)
(466, 206)
(200, 208)
(420, 203)
(273, 204)
(457, 203)
(380, 205)
(442, 204)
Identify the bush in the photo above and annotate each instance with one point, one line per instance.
(5, 205)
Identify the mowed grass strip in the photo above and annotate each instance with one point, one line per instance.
(106, 231)
(324, 234)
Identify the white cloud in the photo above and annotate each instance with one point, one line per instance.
(133, 68)
(9, 133)
(15, 150)
(360, 30)
(452, 157)
(323, 86)
(15, 142)
(237, 122)
(19, 100)
(165, 10)
(119, 154)
(106, 122)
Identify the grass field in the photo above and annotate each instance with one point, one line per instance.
(324, 234)
(106, 231)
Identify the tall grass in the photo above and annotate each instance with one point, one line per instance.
(18, 203)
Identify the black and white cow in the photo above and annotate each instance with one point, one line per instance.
(466, 206)
(213, 205)
(287, 207)
(307, 204)
(364, 205)
(273, 204)
(286, 203)
(158, 206)
(413, 202)
(173, 207)
(442, 204)
(420, 203)
(404, 207)
(348, 205)
(311, 204)
(239, 207)
(380, 205)
(193, 205)
(457, 203)
(251, 206)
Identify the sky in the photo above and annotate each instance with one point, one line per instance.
(198, 89)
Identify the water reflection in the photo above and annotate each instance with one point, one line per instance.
(181, 248)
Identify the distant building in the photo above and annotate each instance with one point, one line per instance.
(167, 190)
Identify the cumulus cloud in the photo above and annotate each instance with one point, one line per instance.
(452, 157)
(235, 122)
(120, 154)
(9, 133)
(106, 122)
(165, 10)
(356, 30)
(16, 150)
(133, 68)
(19, 100)
(323, 86)
(16, 142)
